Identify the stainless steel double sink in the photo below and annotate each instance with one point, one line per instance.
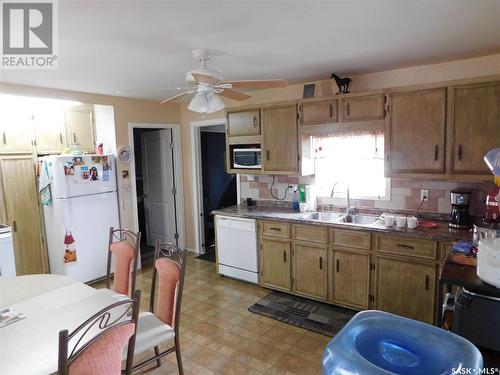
(341, 218)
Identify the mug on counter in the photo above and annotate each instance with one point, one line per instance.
(389, 221)
(412, 222)
(400, 221)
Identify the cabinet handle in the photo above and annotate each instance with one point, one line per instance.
(348, 109)
(320, 263)
(331, 110)
(60, 138)
(405, 246)
(74, 138)
(427, 281)
(276, 229)
(459, 154)
(337, 265)
(284, 256)
(14, 226)
(267, 155)
(254, 121)
(436, 152)
(4, 138)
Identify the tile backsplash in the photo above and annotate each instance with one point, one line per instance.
(405, 194)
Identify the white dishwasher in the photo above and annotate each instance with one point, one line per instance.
(7, 259)
(237, 248)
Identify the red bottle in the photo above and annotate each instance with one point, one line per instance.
(493, 205)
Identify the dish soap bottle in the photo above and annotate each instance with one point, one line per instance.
(295, 199)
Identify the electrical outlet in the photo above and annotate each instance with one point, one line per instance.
(424, 195)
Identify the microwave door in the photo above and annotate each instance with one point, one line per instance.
(246, 158)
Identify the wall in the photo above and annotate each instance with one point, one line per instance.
(125, 111)
(460, 69)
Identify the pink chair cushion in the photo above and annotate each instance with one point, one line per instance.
(124, 254)
(169, 275)
(104, 356)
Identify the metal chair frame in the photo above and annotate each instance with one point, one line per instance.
(179, 256)
(123, 235)
(104, 322)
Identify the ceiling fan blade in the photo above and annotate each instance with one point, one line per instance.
(202, 78)
(151, 89)
(233, 94)
(258, 84)
(177, 96)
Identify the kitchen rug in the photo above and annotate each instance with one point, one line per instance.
(302, 312)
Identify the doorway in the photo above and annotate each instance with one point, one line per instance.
(216, 189)
(156, 182)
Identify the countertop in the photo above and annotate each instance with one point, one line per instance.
(441, 233)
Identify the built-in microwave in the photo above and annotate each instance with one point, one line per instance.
(246, 158)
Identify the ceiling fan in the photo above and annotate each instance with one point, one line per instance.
(208, 85)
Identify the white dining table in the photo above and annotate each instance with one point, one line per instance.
(50, 303)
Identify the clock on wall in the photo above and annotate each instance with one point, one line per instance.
(125, 154)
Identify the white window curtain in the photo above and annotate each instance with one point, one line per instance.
(355, 159)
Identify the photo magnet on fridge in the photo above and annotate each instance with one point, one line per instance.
(78, 161)
(70, 248)
(69, 170)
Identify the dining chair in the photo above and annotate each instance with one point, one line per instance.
(124, 247)
(160, 325)
(97, 345)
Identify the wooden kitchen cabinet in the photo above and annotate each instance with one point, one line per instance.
(350, 278)
(406, 287)
(474, 126)
(50, 134)
(20, 197)
(363, 108)
(415, 133)
(16, 131)
(310, 263)
(80, 127)
(281, 148)
(275, 263)
(319, 112)
(243, 123)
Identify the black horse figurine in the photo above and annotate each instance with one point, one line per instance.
(342, 83)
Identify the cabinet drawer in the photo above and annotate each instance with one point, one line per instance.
(310, 233)
(360, 240)
(406, 246)
(275, 228)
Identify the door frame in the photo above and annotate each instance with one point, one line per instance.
(197, 179)
(178, 174)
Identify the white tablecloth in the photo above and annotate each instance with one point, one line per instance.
(51, 303)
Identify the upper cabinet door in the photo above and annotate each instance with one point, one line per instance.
(416, 134)
(319, 112)
(243, 123)
(363, 108)
(280, 139)
(80, 127)
(49, 131)
(474, 126)
(16, 131)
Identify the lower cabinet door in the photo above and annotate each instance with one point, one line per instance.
(276, 270)
(406, 288)
(351, 278)
(310, 270)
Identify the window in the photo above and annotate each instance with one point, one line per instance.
(353, 159)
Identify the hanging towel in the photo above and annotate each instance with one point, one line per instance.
(44, 184)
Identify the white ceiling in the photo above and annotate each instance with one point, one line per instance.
(106, 46)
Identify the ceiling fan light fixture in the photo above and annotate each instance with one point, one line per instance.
(215, 103)
(199, 103)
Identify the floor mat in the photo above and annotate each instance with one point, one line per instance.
(304, 313)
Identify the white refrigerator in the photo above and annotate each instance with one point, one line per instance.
(84, 205)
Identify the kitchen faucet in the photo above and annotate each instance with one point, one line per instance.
(348, 205)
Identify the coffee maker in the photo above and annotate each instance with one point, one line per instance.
(459, 216)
